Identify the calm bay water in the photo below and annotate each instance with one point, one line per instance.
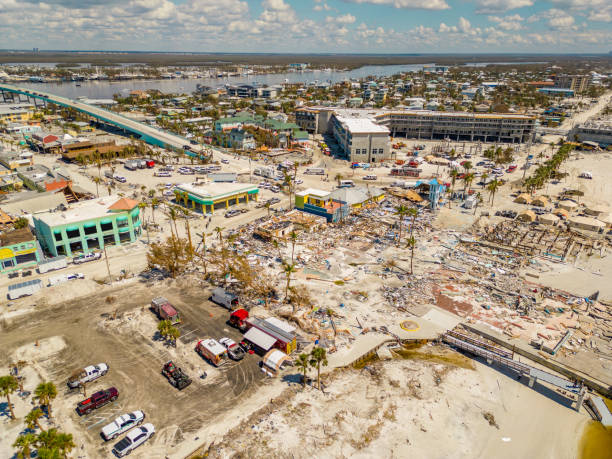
(106, 89)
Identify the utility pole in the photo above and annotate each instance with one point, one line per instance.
(110, 279)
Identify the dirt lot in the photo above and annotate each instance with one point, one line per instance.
(127, 343)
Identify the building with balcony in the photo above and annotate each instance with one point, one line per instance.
(485, 127)
(87, 226)
(577, 83)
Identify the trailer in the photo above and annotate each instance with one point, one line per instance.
(405, 172)
(131, 164)
(24, 289)
(211, 350)
(265, 171)
(226, 299)
(52, 264)
(165, 311)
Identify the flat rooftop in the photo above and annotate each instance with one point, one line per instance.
(216, 190)
(80, 211)
(362, 125)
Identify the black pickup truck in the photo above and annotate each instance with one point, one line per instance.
(97, 400)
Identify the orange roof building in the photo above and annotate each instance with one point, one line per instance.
(124, 204)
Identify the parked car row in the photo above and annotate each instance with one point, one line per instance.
(129, 423)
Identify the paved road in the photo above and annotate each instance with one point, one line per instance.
(163, 138)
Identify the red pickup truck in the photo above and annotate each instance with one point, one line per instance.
(97, 400)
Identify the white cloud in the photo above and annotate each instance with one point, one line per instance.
(344, 19)
(508, 22)
(556, 18)
(408, 4)
(275, 5)
(500, 6)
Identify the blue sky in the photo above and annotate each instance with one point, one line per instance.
(354, 26)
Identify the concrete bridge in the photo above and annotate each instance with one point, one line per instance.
(144, 132)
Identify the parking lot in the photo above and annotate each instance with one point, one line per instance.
(135, 362)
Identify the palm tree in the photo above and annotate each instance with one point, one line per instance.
(294, 237)
(411, 242)
(8, 385)
(468, 179)
(467, 166)
(97, 181)
(174, 334)
(401, 211)
(186, 214)
(302, 363)
(485, 176)
(338, 177)
(154, 204)
(173, 216)
(53, 444)
(45, 392)
(453, 175)
(163, 327)
(32, 419)
(318, 357)
(288, 269)
(219, 231)
(492, 188)
(24, 445)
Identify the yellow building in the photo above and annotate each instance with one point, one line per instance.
(208, 197)
(14, 113)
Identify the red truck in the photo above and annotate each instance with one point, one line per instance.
(238, 319)
(97, 400)
(165, 311)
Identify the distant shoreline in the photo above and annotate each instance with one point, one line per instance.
(327, 60)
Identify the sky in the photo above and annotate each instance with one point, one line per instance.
(310, 26)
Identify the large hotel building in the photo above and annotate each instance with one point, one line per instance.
(354, 128)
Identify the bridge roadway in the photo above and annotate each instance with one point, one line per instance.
(147, 133)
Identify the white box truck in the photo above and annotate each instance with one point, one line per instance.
(226, 299)
(52, 264)
(24, 289)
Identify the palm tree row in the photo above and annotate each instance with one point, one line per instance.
(316, 359)
(548, 170)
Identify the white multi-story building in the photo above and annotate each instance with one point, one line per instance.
(361, 139)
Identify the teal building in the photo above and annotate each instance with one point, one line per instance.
(18, 250)
(88, 226)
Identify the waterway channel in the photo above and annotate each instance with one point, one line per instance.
(106, 89)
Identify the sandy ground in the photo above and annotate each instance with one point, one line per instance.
(411, 408)
(404, 408)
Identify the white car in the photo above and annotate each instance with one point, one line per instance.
(122, 424)
(88, 374)
(233, 350)
(84, 258)
(134, 439)
(225, 161)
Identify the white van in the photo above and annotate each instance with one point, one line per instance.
(315, 171)
(346, 184)
(370, 177)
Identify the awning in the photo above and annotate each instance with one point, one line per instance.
(106, 220)
(72, 228)
(260, 338)
(89, 225)
(122, 218)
